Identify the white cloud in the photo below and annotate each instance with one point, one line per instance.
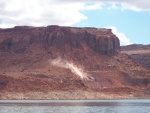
(60, 12)
(122, 37)
(39, 12)
(136, 5)
(93, 6)
(42, 12)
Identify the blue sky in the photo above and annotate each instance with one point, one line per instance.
(128, 19)
(135, 25)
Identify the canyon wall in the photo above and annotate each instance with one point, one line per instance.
(20, 38)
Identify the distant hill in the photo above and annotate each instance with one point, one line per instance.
(139, 53)
(135, 47)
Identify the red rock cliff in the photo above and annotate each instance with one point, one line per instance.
(19, 39)
(67, 63)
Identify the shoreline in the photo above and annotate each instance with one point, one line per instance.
(71, 95)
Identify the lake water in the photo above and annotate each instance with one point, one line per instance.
(75, 106)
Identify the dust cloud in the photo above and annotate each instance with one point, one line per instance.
(69, 65)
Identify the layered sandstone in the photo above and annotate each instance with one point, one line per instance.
(19, 39)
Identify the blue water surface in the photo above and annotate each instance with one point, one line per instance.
(102, 106)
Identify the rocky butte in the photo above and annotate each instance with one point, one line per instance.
(59, 62)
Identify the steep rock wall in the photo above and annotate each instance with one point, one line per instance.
(20, 38)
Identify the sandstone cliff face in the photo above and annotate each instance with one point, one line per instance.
(19, 39)
(139, 53)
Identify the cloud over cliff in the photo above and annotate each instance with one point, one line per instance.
(122, 37)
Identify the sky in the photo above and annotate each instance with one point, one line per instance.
(128, 19)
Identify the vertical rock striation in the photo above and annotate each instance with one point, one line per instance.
(20, 38)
